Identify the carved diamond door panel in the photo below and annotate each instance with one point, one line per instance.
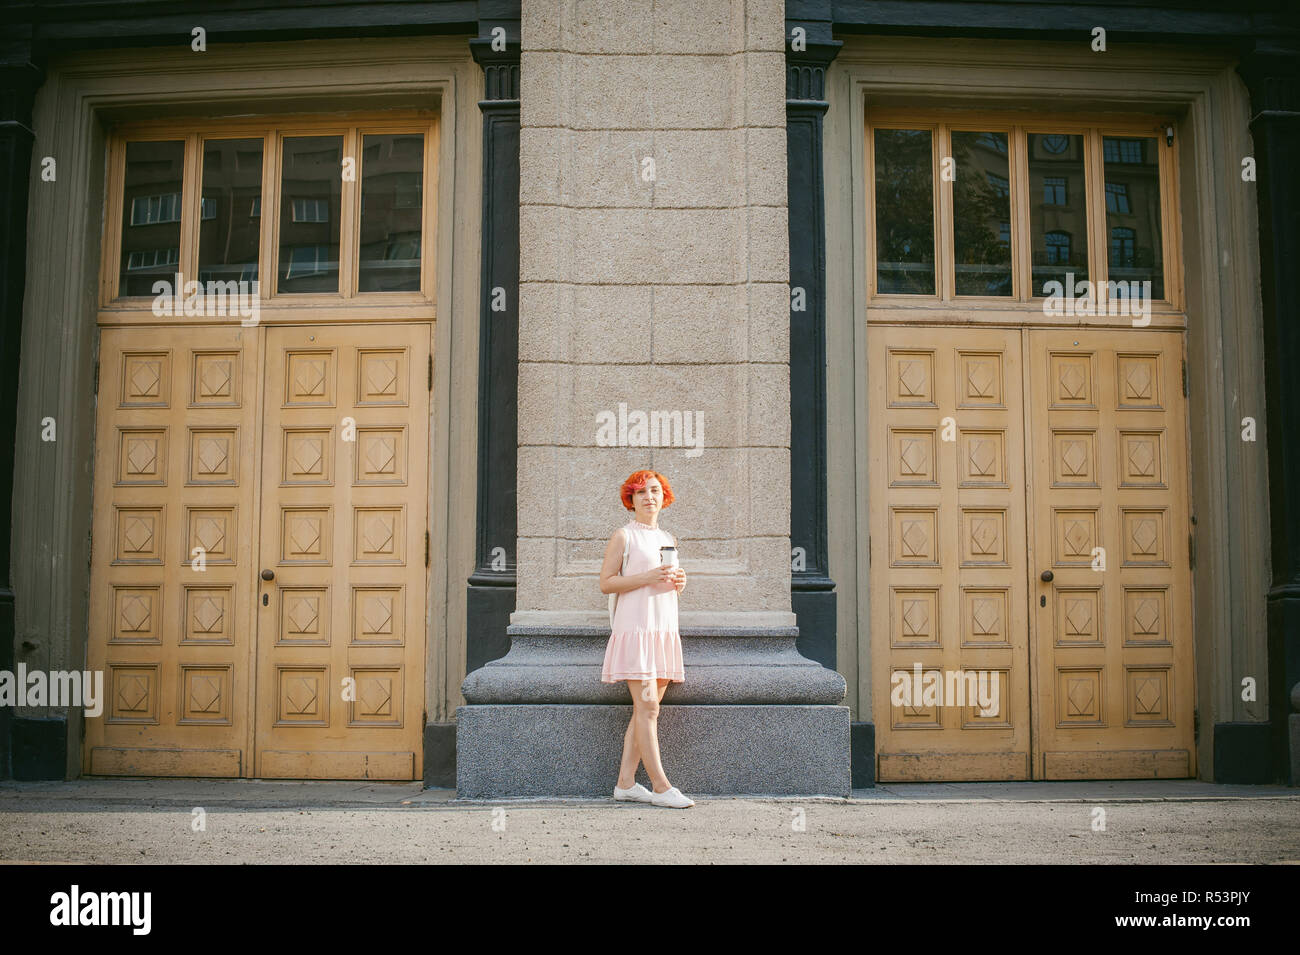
(1112, 628)
(217, 458)
(1100, 653)
(950, 668)
(340, 679)
(173, 545)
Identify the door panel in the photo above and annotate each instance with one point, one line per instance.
(948, 552)
(232, 440)
(340, 681)
(1113, 646)
(1101, 653)
(175, 470)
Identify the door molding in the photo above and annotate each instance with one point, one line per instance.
(53, 488)
(1220, 262)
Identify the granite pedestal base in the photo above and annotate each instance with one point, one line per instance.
(753, 717)
(566, 749)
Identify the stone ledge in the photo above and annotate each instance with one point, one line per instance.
(564, 750)
(730, 666)
(549, 630)
(580, 621)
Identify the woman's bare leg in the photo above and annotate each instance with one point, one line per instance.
(631, 757)
(631, 752)
(645, 722)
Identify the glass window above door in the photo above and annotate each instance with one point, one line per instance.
(1133, 226)
(352, 202)
(1058, 209)
(230, 236)
(994, 209)
(904, 211)
(151, 216)
(981, 204)
(311, 196)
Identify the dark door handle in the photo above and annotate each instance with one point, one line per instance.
(1045, 576)
(268, 575)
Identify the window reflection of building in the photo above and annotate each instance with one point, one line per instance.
(981, 217)
(392, 185)
(151, 214)
(1132, 174)
(904, 198)
(226, 226)
(1117, 197)
(1055, 144)
(1057, 245)
(981, 214)
(1056, 173)
(151, 210)
(308, 260)
(149, 258)
(311, 210)
(229, 238)
(1122, 150)
(1121, 247)
(310, 186)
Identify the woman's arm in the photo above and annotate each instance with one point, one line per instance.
(611, 581)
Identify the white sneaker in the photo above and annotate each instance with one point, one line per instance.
(634, 793)
(671, 799)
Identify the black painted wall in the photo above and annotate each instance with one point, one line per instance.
(18, 83)
(1272, 74)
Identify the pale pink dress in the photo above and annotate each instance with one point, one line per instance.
(644, 644)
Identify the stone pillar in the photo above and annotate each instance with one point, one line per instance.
(1272, 74)
(654, 277)
(805, 105)
(490, 596)
(809, 52)
(490, 589)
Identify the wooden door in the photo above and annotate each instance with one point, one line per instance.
(1074, 587)
(173, 551)
(948, 552)
(344, 519)
(1112, 627)
(222, 452)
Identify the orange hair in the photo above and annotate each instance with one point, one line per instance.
(637, 480)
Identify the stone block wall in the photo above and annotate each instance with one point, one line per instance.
(654, 273)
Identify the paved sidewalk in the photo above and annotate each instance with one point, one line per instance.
(310, 794)
(151, 820)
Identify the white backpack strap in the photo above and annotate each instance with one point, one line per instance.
(613, 598)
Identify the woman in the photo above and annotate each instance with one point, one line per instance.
(645, 648)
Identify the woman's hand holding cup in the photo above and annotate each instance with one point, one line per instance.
(663, 574)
